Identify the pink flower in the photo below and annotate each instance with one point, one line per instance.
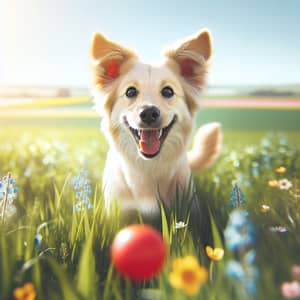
(296, 271)
(290, 290)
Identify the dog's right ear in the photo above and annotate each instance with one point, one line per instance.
(109, 60)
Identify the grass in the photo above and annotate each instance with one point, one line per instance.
(66, 253)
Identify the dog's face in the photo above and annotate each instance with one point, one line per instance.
(149, 110)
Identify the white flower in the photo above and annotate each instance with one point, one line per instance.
(284, 184)
(180, 225)
(279, 229)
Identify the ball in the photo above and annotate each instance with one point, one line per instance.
(138, 252)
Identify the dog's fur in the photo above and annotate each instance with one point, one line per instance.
(137, 172)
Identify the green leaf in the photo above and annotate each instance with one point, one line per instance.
(164, 224)
(66, 287)
(86, 274)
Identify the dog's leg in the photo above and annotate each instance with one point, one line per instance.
(206, 147)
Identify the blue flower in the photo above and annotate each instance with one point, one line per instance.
(244, 276)
(238, 218)
(234, 270)
(239, 232)
(255, 169)
(82, 187)
(237, 197)
(240, 238)
(38, 241)
(249, 257)
(8, 194)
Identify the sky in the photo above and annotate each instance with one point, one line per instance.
(46, 42)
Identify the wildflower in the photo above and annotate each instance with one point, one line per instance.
(239, 232)
(249, 257)
(240, 237)
(244, 275)
(280, 170)
(290, 290)
(26, 292)
(266, 160)
(284, 184)
(237, 197)
(266, 143)
(216, 179)
(279, 229)
(295, 271)
(214, 254)
(38, 240)
(250, 150)
(235, 270)
(264, 208)
(273, 183)
(180, 225)
(82, 186)
(283, 141)
(187, 275)
(255, 168)
(8, 193)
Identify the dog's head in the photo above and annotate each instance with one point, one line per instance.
(149, 109)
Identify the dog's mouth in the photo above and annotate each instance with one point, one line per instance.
(149, 141)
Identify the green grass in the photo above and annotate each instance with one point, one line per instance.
(73, 260)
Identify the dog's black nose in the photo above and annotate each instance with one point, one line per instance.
(149, 115)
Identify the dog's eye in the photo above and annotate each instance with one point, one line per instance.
(167, 92)
(131, 92)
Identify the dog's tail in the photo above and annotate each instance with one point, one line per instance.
(206, 147)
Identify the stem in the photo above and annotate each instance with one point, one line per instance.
(5, 197)
(211, 269)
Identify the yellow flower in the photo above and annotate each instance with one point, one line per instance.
(187, 275)
(273, 183)
(264, 208)
(26, 292)
(214, 254)
(280, 170)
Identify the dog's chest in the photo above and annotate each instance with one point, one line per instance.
(140, 181)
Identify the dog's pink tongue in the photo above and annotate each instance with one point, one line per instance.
(149, 143)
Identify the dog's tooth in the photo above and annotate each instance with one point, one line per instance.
(160, 133)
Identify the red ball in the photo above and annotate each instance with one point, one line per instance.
(138, 252)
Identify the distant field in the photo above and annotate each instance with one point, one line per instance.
(252, 119)
(230, 118)
(255, 114)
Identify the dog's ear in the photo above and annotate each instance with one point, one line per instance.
(109, 60)
(191, 58)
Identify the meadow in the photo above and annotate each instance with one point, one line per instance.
(59, 243)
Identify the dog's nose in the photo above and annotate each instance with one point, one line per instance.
(149, 114)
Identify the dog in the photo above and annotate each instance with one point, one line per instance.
(148, 115)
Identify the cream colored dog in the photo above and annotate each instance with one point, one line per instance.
(148, 115)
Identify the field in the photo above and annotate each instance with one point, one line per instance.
(248, 206)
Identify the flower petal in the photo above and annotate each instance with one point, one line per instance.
(18, 293)
(175, 280)
(190, 289)
(218, 253)
(209, 251)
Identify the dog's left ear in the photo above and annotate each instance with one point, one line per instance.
(191, 58)
(109, 60)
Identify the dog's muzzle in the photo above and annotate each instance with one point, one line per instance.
(150, 140)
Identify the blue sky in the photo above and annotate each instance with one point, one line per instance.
(46, 42)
